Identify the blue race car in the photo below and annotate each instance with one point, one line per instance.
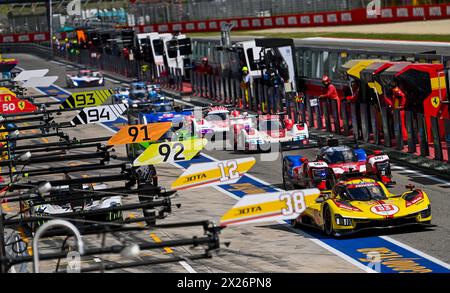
(139, 92)
(121, 95)
(163, 111)
(85, 78)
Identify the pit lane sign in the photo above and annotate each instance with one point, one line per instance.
(170, 152)
(213, 173)
(16, 106)
(267, 207)
(140, 133)
(100, 114)
(86, 99)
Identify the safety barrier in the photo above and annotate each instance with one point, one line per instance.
(348, 17)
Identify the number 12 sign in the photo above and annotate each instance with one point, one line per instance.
(213, 173)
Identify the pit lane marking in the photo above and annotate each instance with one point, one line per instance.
(112, 80)
(154, 237)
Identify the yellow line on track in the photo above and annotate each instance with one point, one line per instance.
(154, 237)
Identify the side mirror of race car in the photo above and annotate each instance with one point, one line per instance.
(320, 199)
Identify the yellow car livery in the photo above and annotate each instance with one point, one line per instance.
(360, 204)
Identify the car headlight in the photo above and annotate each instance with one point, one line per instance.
(100, 81)
(384, 168)
(75, 83)
(341, 221)
(426, 213)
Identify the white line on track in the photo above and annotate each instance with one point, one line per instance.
(112, 80)
(187, 267)
(62, 64)
(409, 171)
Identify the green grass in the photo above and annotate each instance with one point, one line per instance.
(300, 35)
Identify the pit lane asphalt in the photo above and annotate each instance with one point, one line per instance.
(433, 241)
(254, 248)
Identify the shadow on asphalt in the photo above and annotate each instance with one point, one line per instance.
(310, 232)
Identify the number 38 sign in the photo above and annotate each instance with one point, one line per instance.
(16, 106)
(267, 207)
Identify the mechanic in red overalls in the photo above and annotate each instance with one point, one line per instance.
(399, 102)
(204, 69)
(331, 92)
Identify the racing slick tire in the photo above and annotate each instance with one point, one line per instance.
(328, 222)
(286, 185)
(241, 144)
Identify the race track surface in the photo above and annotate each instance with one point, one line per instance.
(277, 247)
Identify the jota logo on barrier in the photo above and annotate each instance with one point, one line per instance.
(374, 8)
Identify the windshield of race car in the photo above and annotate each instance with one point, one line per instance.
(270, 125)
(138, 87)
(339, 155)
(218, 117)
(164, 108)
(365, 192)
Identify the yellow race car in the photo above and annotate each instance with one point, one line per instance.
(360, 203)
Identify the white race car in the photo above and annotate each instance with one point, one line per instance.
(271, 131)
(85, 78)
(216, 120)
(55, 210)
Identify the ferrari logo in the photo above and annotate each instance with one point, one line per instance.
(21, 105)
(8, 99)
(436, 102)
